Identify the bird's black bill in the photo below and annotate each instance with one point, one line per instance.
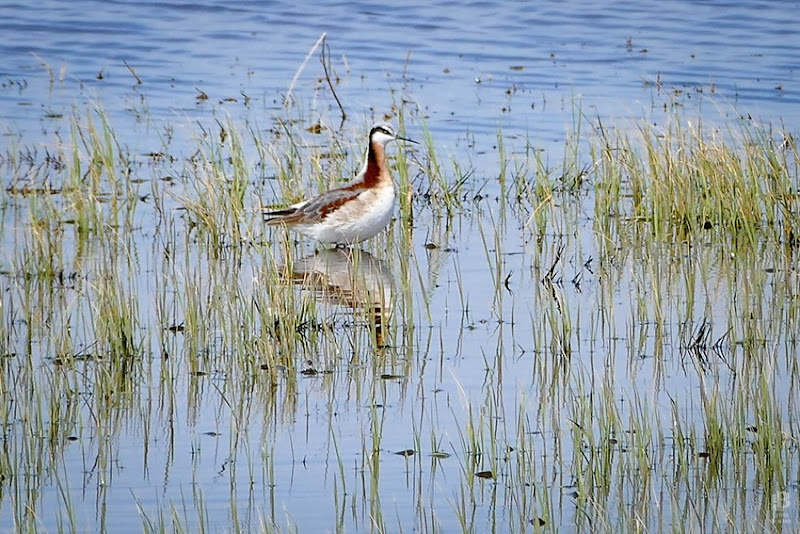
(406, 139)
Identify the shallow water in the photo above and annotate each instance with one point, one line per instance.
(456, 61)
(303, 457)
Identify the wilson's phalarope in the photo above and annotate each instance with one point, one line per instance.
(354, 212)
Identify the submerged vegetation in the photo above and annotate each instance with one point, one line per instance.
(605, 344)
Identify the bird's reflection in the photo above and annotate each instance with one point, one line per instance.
(350, 277)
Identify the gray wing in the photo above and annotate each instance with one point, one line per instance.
(315, 209)
(319, 207)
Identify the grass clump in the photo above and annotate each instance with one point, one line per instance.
(687, 180)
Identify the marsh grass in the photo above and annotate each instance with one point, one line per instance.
(607, 343)
(688, 180)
